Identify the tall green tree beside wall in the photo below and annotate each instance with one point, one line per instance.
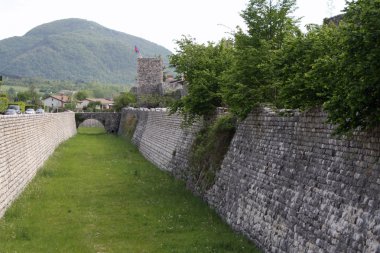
(335, 66)
(3, 103)
(123, 100)
(355, 102)
(251, 79)
(29, 96)
(203, 66)
(306, 67)
(11, 93)
(81, 95)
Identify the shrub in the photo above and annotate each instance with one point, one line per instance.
(306, 68)
(3, 104)
(123, 100)
(355, 103)
(154, 101)
(128, 127)
(208, 150)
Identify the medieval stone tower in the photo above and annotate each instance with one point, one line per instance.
(149, 76)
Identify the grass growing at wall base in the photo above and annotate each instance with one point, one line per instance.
(208, 150)
(98, 194)
(129, 126)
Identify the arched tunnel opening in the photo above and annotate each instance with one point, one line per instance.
(92, 123)
(107, 121)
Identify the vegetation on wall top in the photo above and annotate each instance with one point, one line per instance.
(334, 66)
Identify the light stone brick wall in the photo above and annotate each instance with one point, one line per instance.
(290, 185)
(161, 138)
(26, 142)
(287, 182)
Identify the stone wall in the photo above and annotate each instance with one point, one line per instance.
(149, 76)
(110, 120)
(26, 141)
(286, 182)
(160, 137)
(290, 186)
(92, 123)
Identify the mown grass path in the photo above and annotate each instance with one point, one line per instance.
(98, 194)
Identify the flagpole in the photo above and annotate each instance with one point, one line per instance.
(138, 51)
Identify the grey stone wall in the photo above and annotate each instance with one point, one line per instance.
(286, 182)
(26, 142)
(160, 138)
(290, 186)
(110, 120)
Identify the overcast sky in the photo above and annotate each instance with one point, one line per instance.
(158, 21)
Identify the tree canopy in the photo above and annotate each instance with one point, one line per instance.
(203, 67)
(334, 66)
(123, 100)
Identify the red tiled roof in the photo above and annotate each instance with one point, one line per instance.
(62, 98)
(103, 101)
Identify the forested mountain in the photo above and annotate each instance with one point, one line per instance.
(77, 50)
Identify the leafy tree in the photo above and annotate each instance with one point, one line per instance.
(203, 67)
(123, 100)
(92, 106)
(334, 66)
(81, 95)
(3, 104)
(356, 99)
(251, 79)
(99, 93)
(268, 21)
(30, 95)
(11, 93)
(306, 67)
(70, 106)
(1, 82)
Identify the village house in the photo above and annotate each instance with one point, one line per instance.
(105, 104)
(56, 101)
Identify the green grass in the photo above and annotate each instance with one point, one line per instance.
(98, 194)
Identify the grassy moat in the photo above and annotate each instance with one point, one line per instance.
(96, 193)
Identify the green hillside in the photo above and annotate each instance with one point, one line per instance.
(77, 50)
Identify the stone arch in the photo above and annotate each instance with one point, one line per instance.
(110, 120)
(91, 123)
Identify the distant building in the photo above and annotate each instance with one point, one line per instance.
(56, 101)
(105, 104)
(172, 85)
(150, 82)
(150, 76)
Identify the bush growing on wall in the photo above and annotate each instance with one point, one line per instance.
(123, 100)
(306, 67)
(251, 79)
(355, 102)
(203, 66)
(332, 66)
(208, 150)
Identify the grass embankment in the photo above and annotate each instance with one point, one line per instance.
(98, 194)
